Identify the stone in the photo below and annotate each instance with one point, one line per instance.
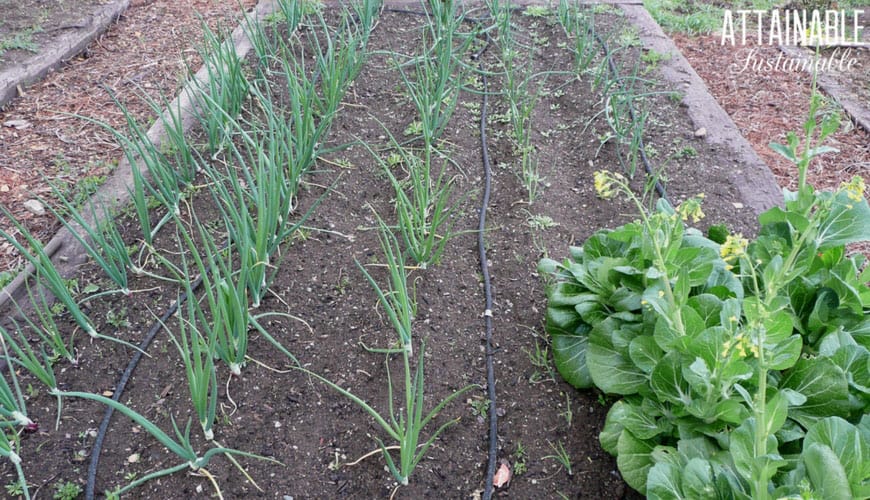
(701, 132)
(35, 207)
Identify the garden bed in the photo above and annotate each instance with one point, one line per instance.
(543, 201)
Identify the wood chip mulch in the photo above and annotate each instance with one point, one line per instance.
(765, 105)
(151, 50)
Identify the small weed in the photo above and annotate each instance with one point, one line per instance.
(686, 153)
(676, 97)
(479, 408)
(66, 491)
(540, 222)
(537, 11)
(414, 128)
(685, 16)
(603, 8)
(540, 359)
(15, 489)
(20, 41)
(519, 455)
(629, 37)
(394, 159)
(653, 58)
(341, 286)
(118, 318)
(561, 456)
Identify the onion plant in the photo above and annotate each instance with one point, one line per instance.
(522, 90)
(435, 82)
(398, 301)
(257, 201)
(100, 238)
(46, 272)
(8, 446)
(339, 58)
(39, 365)
(406, 425)
(226, 294)
(579, 26)
(13, 410)
(197, 355)
(423, 206)
(152, 168)
(226, 87)
(180, 445)
(47, 329)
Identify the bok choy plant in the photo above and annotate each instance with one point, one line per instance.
(742, 364)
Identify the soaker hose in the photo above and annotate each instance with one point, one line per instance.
(487, 290)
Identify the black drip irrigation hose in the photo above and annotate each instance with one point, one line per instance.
(646, 164)
(119, 389)
(487, 290)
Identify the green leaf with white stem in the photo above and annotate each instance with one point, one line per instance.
(824, 385)
(847, 222)
(634, 459)
(611, 368)
(851, 455)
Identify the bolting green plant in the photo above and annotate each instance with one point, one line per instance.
(742, 364)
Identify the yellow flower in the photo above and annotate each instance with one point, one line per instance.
(604, 183)
(691, 208)
(854, 188)
(742, 344)
(733, 248)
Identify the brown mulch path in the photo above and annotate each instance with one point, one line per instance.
(149, 50)
(765, 105)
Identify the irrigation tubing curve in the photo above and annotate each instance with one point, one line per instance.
(119, 389)
(487, 290)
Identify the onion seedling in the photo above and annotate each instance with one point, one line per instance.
(38, 365)
(197, 355)
(580, 27)
(181, 445)
(423, 206)
(226, 87)
(47, 329)
(46, 270)
(13, 410)
(406, 427)
(101, 239)
(7, 449)
(226, 294)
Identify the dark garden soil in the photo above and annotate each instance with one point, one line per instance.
(279, 413)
